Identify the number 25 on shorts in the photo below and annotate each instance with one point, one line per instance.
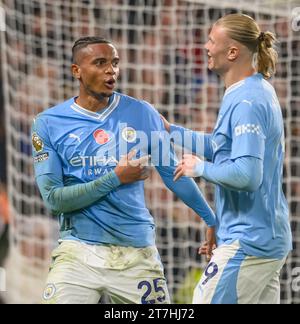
(154, 289)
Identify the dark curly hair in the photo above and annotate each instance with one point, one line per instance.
(83, 42)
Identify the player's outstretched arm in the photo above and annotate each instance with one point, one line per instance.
(195, 142)
(164, 159)
(244, 172)
(187, 190)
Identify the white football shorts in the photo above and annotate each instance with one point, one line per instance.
(232, 277)
(81, 273)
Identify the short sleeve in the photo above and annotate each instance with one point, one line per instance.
(45, 158)
(248, 128)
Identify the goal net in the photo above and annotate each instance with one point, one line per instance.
(161, 45)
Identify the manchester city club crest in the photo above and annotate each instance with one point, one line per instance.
(129, 134)
(49, 291)
(37, 142)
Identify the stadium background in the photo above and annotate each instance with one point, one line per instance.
(163, 61)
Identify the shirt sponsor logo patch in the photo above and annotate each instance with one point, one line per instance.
(246, 128)
(37, 143)
(41, 157)
(101, 136)
(129, 134)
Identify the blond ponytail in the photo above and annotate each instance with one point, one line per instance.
(246, 31)
(266, 54)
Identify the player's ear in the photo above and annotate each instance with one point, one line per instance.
(233, 53)
(76, 71)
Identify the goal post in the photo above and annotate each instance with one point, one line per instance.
(163, 61)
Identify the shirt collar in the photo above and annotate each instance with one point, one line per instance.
(113, 104)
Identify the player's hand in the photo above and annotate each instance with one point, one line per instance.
(190, 166)
(209, 245)
(129, 170)
(166, 123)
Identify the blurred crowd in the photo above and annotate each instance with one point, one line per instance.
(4, 213)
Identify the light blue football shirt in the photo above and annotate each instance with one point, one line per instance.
(79, 146)
(250, 124)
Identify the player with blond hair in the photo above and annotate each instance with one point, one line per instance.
(245, 155)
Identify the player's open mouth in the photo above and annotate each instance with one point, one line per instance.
(110, 83)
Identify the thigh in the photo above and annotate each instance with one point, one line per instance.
(271, 293)
(258, 281)
(69, 280)
(64, 293)
(218, 282)
(140, 282)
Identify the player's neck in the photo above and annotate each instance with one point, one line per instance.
(91, 103)
(237, 74)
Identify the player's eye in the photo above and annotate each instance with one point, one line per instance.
(100, 62)
(115, 63)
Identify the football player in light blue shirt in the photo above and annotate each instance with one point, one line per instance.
(245, 155)
(89, 159)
